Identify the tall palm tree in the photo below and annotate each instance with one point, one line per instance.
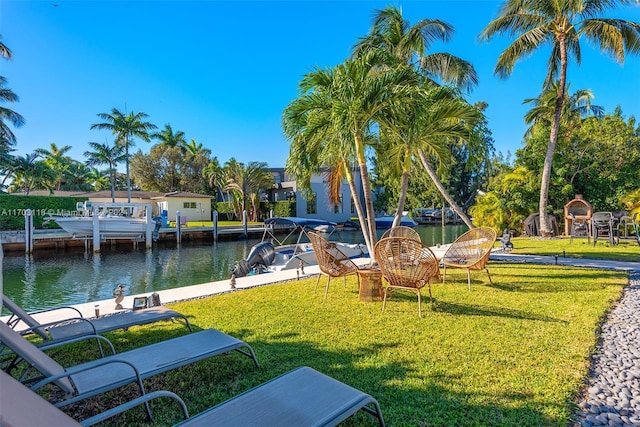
(55, 157)
(410, 44)
(333, 121)
(561, 24)
(125, 127)
(246, 182)
(105, 154)
(436, 116)
(403, 43)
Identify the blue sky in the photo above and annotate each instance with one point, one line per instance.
(223, 71)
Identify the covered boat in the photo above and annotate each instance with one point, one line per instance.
(274, 254)
(386, 221)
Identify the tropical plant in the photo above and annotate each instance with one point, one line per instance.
(29, 173)
(409, 44)
(560, 24)
(170, 138)
(335, 118)
(125, 127)
(57, 160)
(245, 184)
(105, 154)
(402, 43)
(76, 177)
(576, 107)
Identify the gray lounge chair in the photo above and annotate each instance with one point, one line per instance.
(101, 375)
(72, 327)
(302, 397)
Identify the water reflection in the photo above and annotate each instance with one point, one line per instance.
(61, 277)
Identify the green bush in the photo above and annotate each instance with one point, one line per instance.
(13, 208)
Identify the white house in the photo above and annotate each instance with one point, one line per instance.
(316, 206)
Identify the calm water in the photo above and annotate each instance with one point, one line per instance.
(54, 278)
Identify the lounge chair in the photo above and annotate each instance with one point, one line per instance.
(101, 375)
(72, 327)
(470, 251)
(301, 397)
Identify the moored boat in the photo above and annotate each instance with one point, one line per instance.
(114, 220)
(386, 221)
(273, 254)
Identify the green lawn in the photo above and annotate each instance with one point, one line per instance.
(627, 250)
(512, 353)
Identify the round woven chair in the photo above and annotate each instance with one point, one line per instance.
(470, 251)
(406, 264)
(402, 231)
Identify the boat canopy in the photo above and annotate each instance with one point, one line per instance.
(298, 226)
(298, 221)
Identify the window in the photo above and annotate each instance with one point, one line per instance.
(312, 204)
(189, 205)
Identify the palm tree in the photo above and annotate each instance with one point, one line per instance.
(245, 182)
(193, 147)
(169, 138)
(7, 115)
(104, 154)
(125, 127)
(560, 24)
(409, 44)
(214, 174)
(56, 159)
(437, 116)
(576, 107)
(403, 43)
(99, 179)
(29, 173)
(333, 121)
(76, 177)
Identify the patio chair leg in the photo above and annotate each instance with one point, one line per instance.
(326, 290)
(317, 281)
(489, 274)
(430, 296)
(384, 299)
(469, 278)
(444, 273)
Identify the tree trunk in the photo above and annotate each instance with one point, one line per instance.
(402, 198)
(126, 153)
(366, 189)
(545, 226)
(432, 174)
(361, 215)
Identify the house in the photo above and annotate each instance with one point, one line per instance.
(193, 206)
(317, 205)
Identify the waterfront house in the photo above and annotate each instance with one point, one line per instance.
(317, 204)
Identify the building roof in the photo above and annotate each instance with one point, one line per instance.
(120, 194)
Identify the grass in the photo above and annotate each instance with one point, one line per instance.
(627, 250)
(512, 353)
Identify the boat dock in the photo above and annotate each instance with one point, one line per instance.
(13, 241)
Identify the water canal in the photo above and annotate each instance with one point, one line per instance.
(63, 277)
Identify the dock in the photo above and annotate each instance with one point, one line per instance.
(14, 241)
